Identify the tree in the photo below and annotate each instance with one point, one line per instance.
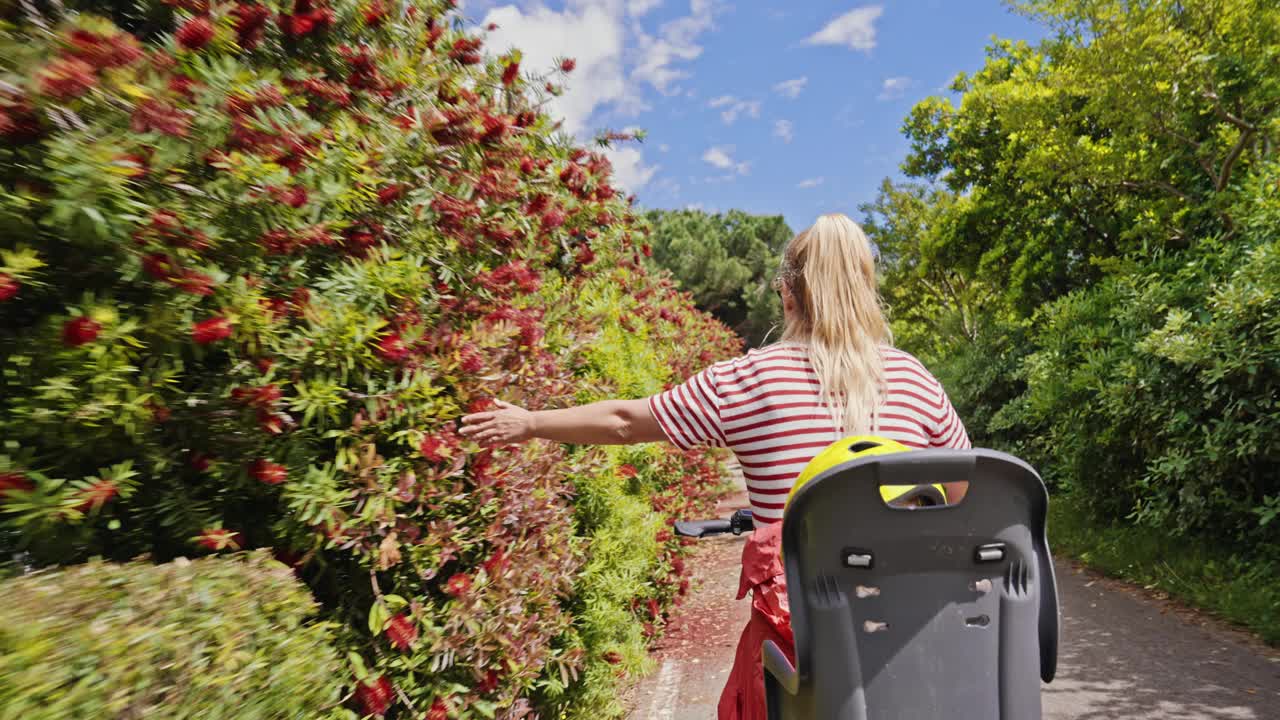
(727, 261)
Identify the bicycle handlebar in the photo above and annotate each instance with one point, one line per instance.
(740, 522)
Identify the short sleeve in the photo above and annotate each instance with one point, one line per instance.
(949, 432)
(689, 413)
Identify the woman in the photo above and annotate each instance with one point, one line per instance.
(833, 374)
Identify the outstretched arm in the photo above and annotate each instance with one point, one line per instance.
(609, 422)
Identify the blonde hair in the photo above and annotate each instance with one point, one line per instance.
(829, 271)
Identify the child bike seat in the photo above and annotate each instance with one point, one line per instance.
(947, 612)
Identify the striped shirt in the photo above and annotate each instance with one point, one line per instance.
(765, 407)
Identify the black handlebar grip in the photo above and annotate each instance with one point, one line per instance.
(702, 528)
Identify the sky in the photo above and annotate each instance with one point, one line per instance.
(768, 106)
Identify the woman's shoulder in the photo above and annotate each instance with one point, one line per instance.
(896, 360)
(779, 353)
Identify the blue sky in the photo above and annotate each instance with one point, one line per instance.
(773, 107)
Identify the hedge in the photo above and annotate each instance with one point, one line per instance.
(257, 258)
(209, 638)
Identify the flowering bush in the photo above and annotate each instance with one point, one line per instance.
(212, 638)
(257, 259)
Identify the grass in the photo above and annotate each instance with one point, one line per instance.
(1202, 572)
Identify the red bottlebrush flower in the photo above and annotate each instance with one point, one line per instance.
(270, 422)
(9, 287)
(439, 710)
(261, 396)
(80, 330)
(160, 413)
(647, 250)
(496, 564)
(195, 33)
(212, 330)
(104, 51)
(18, 121)
(466, 50)
(568, 64)
(375, 13)
(161, 117)
(552, 219)
(491, 26)
(495, 127)
(472, 362)
(526, 165)
(306, 19)
(14, 481)
(408, 119)
(627, 471)
(537, 205)
(585, 255)
(434, 449)
(510, 73)
(526, 118)
(218, 539)
(196, 283)
(67, 79)
(375, 697)
(294, 197)
(200, 462)
(662, 536)
(391, 193)
(489, 683)
(137, 163)
(402, 631)
(97, 495)
(458, 585)
(264, 365)
(677, 565)
(249, 20)
(392, 348)
(613, 657)
(268, 472)
(480, 405)
(654, 612)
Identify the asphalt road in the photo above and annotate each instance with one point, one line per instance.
(1124, 653)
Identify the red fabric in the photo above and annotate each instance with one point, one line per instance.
(762, 576)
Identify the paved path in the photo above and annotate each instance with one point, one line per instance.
(1124, 654)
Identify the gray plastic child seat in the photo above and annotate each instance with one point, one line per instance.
(936, 613)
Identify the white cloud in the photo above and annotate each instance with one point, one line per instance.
(719, 157)
(733, 107)
(894, 87)
(810, 183)
(664, 148)
(629, 171)
(676, 41)
(597, 35)
(855, 29)
(614, 55)
(636, 8)
(791, 88)
(784, 129)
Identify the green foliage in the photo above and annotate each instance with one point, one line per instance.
(1196, 569)
(1086, 257)
(255, 263)
(210, 638)
(727, 262)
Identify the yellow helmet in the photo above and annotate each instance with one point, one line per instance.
(860, 446)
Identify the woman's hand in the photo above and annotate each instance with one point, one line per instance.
(508, 424)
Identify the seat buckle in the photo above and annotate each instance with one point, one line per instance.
(992, 552)
(857, 558)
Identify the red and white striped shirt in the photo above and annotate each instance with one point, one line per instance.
(765, 407)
